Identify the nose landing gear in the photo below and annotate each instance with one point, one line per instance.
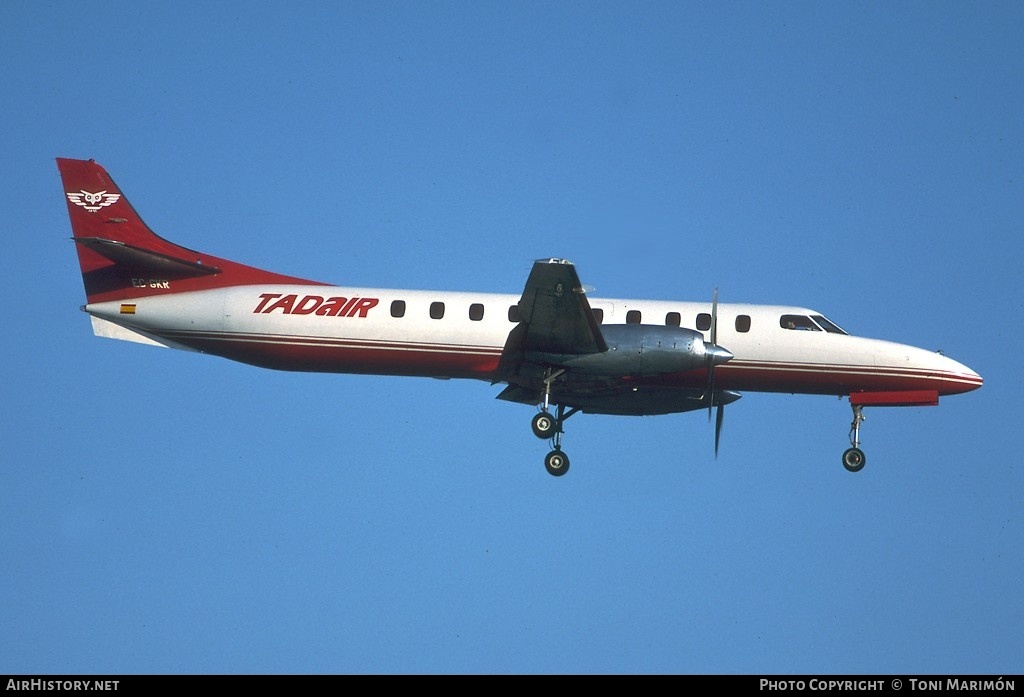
(854, 458)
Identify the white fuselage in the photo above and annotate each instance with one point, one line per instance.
(461, 335)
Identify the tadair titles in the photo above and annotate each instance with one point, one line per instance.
(334, 306)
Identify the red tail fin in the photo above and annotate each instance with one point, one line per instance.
(122, 258)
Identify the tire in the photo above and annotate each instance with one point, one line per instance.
(854, 460)
(557, 463)
(543, 425)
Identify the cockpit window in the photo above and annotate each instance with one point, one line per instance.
(813, 323)
(801, 322)
(828, 326)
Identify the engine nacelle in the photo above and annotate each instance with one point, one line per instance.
(638, 350)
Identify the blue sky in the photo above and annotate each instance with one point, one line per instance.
(165, 512)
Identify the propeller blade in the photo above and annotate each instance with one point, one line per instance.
(719, 417)
(714, 317)
(711, 357)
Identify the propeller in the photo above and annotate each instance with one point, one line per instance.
(709, 391)
(715, 355)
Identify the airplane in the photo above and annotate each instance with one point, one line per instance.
(551, 346)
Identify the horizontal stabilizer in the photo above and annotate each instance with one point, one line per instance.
(110, 330)
(135, 257)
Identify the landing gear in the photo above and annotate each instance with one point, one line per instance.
(556, 463)
(545, 426)
(853, 458)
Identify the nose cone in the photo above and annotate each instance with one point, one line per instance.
(903, 368)
(717, 354)
(947, 375)
(960, 378)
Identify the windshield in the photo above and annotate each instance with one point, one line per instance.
(827, 325)
(802, 322)
(812, 323)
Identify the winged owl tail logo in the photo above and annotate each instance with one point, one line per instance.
(92, 202)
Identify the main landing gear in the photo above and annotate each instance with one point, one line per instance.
(545, 426)
(853, 458)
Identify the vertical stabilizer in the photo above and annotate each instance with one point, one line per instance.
(121, 257)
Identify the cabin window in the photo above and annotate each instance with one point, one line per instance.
(476, 312)
(598, 314)
(514, 314)
(703, 322)
(672, 319)
(436, 310)
(743, 323)
(398, 308)
(798, 322)
(633, 317)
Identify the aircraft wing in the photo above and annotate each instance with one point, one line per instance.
(555, 312)
(555, 320)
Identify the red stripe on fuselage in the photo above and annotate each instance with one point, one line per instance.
(321, 354)
(325, 354)
(754, 376)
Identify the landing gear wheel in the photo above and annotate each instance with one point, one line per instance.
(544, 425)
(557, 463)
(853, 459)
